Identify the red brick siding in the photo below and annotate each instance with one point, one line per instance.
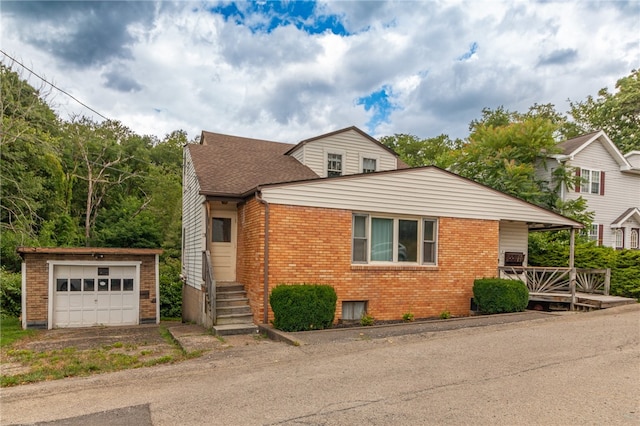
(37, 277)
(250, 254)
(313, 245)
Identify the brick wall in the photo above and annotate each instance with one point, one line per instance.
(250, 258)
(37, 278)
(313, 245)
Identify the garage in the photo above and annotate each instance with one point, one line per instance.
(89, 286)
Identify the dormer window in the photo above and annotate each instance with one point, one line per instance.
(369, 165)
(334, 164)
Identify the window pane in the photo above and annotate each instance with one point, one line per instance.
(221, 232)
(382, 239)
(103, 285)
(334, 165)
(368, 165)
(407, 241)
(359, 238)
(103, 271)
(89, 284)
(585, 176)
(62, 284)
(128, 284)
(360, 226)
(116, 284)
(595, 182)
(76, 284)
(429, 253)
(428, 230)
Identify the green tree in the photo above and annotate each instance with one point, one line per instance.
(618, 114)
(417, 152)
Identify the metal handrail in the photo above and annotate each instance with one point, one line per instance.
(210, 283)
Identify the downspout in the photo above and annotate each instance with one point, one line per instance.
(266, 255)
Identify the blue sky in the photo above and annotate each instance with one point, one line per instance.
(291, 70)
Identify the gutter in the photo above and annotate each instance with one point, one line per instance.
(266, 255)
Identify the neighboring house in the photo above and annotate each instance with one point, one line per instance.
(340, 209)
(88, 286)
(610, 185)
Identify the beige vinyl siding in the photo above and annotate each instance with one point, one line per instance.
(418, 192)
(621, 190)
(633, 158)
(514, 236)
(193, 225)
(352, 145)
(299, 154)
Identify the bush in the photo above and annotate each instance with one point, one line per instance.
(496, 295)
(170, 288)
(625, 276)
(303, 307)
(10, 293)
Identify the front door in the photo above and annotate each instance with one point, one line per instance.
(223, 244)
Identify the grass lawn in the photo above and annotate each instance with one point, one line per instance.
(22, 364)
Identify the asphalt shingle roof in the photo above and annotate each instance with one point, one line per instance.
(572, 144)
(234, 166)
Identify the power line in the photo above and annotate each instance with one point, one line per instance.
(52, 85)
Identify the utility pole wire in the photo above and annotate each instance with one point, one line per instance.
(52, 85)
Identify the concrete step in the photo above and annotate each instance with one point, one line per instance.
(231, 295)
(228, 286)
(233, 310)
(234, 319)
(231, 329)
(225, 303)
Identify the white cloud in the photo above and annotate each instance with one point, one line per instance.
(178, 66)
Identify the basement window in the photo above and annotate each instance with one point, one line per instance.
(353, 310)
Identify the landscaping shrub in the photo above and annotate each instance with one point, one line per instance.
(10, 293)
(170, 288)
(303, 307)
(625, 276)
(496, 295)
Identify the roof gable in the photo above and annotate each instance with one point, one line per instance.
(633, 212)
(572, 147)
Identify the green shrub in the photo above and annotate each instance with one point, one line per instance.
(170, 288)
(408, 317)
(496, 295)
(445, 314)
(10, 293)
(303, 307)
(625, 276)
(367, 320)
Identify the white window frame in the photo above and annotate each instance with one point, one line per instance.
(618, 238)
(343, 161)
(593, 232)
(395, 240)
(373, 157)
(634, 238)
(590, 177)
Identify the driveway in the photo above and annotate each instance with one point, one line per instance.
(567, 369)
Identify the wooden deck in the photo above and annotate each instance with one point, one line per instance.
(586, 300)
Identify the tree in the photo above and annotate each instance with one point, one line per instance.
(418, 152)
(618, 114)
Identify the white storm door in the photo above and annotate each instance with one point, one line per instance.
(223, 245)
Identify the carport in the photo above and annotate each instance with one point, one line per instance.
(89, 286)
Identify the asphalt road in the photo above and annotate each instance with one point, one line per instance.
(579, 368)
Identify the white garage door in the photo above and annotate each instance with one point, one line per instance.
(94, 295)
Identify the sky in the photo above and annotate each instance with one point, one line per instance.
(288, 71)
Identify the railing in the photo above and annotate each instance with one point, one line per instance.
(560, 280)
(210, 283)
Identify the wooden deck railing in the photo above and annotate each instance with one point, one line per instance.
(210, 283)
(560, 280)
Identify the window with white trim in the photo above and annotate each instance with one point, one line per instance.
(334, 164)
(593, 232)
(379, 239)
(634, 238)
(369, 165)
(590, 181)
(619, 233)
